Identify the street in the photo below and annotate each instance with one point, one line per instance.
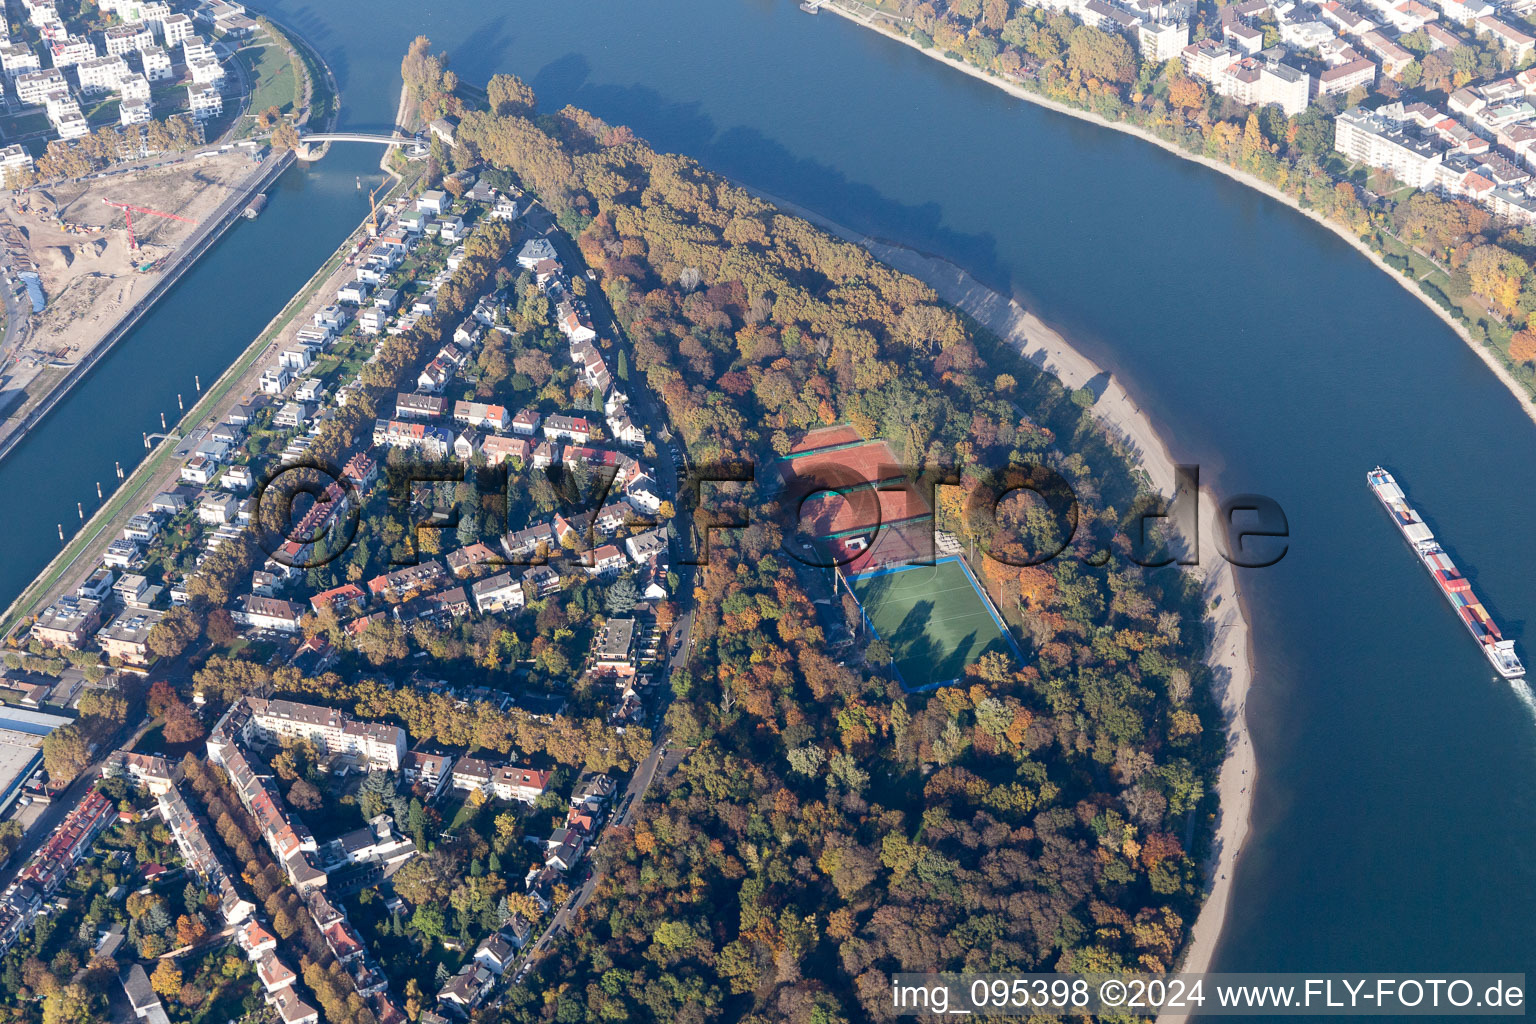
(661, 760)
(65, 801)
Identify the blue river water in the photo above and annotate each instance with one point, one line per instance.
(1396, 804)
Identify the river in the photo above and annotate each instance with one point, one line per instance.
(1396, 810)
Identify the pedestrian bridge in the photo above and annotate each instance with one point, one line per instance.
(313, 147)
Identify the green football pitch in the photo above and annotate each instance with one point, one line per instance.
(932, 618)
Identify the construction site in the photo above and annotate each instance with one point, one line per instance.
(98, 246)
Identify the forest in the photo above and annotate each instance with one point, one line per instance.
(826, 829)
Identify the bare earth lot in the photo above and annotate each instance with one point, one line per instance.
(80, 249)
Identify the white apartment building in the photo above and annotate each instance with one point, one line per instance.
(176, 28)
(157, 63)
(135, 111)
(1378, 139)
(1341, 79)
(204, 101)
(194, 48)
(16, 59)
(123, 39)
(1161, 41)
(15, 158)
(205, 70)
(102, 74)
(154, 14)
(134, 87)
(1247, 79)
(73, 50)
(73, 126)
(332, 731)
(60, 104)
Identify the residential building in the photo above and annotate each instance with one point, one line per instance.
(415, 405)
(176, 30)
(121, 39)
(520, 783)
(429, 770)
(68, 623)
(72, 50)
(479, 414)
(156, 774)
(204, 101)
(567, 428)
(157, 64)
(1378, 139)
(332, 731)
(1340, 80)
(134, 111)
(500, 593)
(127, 636)
(32, 87)
(534, 251)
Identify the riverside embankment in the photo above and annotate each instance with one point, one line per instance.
(1393, 826)
(1230, 658)
(850, 9)
(207, 232)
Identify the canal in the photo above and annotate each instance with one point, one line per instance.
(1396, 807)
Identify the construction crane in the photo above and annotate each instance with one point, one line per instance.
(129, 210)
(373, 210)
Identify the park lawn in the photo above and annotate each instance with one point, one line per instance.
(276, 84)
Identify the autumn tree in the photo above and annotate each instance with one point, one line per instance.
(1522, 347)
(166, 979)
(510, 95)
(66, 753)
(177, 629)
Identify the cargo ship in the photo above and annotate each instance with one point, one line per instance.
(1456, 588)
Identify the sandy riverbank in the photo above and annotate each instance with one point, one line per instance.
(1231, 656)
(1489, 358)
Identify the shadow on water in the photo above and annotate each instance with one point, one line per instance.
(747, 154)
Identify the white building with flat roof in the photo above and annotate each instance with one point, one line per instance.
(16, 58)
(121, 39)
(134, 111)
(72, 50)
(1379, 139)
(157, 63)
(33, 86)
(176, 29)
(204, 101)
(381, 744)
(101, 74)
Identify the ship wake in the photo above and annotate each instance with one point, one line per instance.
(1527, 697)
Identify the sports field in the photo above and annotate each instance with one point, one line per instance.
(932, 618)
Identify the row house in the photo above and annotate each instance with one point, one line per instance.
(415, 405)
(408, 581)
(479, 414)
(464, 561)
(199, 854)
(567, 428)
(340, 600)
(257, 612)
(433, 442)
(1517, 43)
(504, 449)
(535, 541)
